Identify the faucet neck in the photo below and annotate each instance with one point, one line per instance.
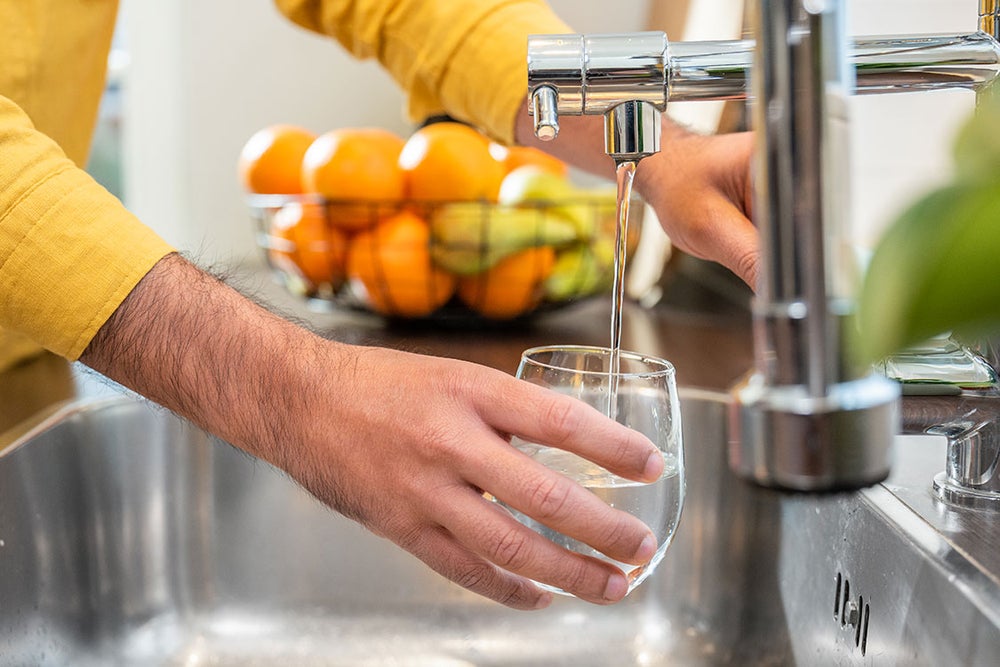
(805, 419)
(801, 88)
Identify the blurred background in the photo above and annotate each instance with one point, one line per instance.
(191, 81)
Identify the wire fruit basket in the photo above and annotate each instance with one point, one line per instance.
(463, 261)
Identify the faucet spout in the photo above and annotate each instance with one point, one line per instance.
(631, 131)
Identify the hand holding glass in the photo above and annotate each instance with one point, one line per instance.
(642, 395)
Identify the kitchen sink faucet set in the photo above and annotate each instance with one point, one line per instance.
(809, 417)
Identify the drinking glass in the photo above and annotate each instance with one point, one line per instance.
(641, 394)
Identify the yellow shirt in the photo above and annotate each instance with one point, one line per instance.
(70, 252)
(468, 57)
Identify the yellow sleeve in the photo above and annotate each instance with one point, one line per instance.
(69, 251)
(465, 57)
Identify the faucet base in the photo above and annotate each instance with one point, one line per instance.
(963, 496)
(783, 438)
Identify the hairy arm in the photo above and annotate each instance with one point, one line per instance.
(405, 444)
(187, 342)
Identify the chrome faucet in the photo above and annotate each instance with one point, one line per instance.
(808, 417)
(970, 423)
(622, 77)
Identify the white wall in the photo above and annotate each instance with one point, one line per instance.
(206, 75)
(901, 143)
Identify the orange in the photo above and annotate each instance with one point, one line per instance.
(450, 161)
(512, 286)
(301, 236)
(391, 266)
(512, 157)
(281, 245)
(351, 165)
(271, 160)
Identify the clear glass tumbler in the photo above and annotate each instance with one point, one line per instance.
(645, 399)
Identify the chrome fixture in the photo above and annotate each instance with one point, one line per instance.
(807, 418)
(952, 390)
(970, 423)
(561, 84)
(622, 77)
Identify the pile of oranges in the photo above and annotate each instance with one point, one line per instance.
(358, 212)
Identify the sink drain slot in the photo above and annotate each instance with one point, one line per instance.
(851, 614)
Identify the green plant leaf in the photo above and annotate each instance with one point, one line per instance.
(937, 269)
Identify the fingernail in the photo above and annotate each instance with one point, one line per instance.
(654, 466)
(646, 549)
(616, 589)
(544, 600)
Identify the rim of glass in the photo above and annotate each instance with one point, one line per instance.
(665, 367)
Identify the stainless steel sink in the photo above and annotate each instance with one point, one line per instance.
(128, 537)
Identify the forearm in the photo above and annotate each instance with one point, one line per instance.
(192, 344)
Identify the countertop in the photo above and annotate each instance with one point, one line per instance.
(703, 330)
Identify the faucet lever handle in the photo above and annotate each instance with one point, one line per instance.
(545, 109)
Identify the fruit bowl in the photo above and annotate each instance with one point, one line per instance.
(464, 261)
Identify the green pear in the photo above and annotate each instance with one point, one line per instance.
(470, 237)
(531, 185)
(581, 270)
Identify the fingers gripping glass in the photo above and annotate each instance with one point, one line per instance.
(641, 395)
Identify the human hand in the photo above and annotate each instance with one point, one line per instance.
(410, 448)
(700, 188)
(406, 444)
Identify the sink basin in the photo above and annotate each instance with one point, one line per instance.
(129, 537)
